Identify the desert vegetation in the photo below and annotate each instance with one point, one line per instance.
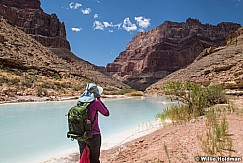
(193, 99)
(209, 102)
(33, 82)
(216, 140)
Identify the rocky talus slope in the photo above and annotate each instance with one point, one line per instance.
(214, 65)
(27, 68)
(152, 55)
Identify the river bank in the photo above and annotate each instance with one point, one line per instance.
(177, 143)
(19, 99)
(171, 143)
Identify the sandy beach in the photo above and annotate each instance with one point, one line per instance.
(182, 144)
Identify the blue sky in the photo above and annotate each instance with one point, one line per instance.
(98, 30)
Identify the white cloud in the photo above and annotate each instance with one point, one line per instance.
(118, 26)
(74, 29)
(142, 22)
(98, 25)
(86, 11)
(128, 25)
(110, 30)
(107, 24)
(96, 16)
(75, 6)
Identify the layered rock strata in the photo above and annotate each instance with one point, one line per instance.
(29, 17)
(222, 65)
(171, 46)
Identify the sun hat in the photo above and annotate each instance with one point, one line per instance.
(92, 91)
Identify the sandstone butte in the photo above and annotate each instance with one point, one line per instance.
(154, 54)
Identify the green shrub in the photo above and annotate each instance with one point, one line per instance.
(28, 82)
(134, 93)
(32, 71)
(78, 88)
(125, 90)
(177, 114)
(48, 85)
(111, 90)
(60, 85)
(14, 81)
(65, 85)
(3, 80)
(215, 94)
(39, 91)
(56, 76)
(194, 94)
(194, 99)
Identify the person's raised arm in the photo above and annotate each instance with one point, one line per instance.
(102, 108)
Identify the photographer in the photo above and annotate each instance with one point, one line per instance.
(92, 95)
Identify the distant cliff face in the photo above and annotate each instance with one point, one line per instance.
(22, 4)
(28, 16)
(154, 54)
(222, 65)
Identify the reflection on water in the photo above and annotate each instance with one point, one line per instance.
(37, 130)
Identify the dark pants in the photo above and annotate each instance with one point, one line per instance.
(94, 145)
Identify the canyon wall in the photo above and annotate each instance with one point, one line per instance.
(29, 17)
(152, 55)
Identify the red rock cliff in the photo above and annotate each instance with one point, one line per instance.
(28, 16)
(154, 54)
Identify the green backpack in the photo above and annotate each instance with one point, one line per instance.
(79, 124)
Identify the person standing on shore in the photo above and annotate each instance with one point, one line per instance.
(92, 95)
